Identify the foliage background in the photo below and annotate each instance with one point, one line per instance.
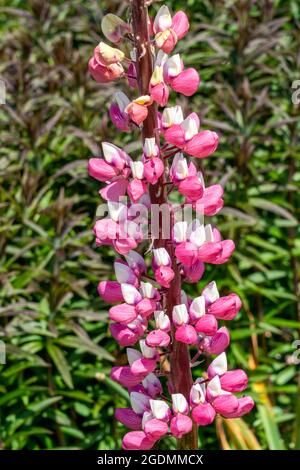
(54, 390)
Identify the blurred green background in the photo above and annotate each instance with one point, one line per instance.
(54, 390)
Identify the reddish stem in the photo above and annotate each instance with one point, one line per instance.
(180, 373)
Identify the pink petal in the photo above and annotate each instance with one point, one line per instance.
(124, 376)
(207, 325)
(137, 440)
(143, 366)
(234, 381)
(203, 414)
(123, 313)
(187, 82)
(181, 425)
(124, 335)
(186, 334)
(129, 418)
(226, 308)
(153, 169)
(225, 405)
(110, 291)
(180, 24)
(115, 190)
(155, 428)
(100, 170)
(158, 338)
(191, 187)
(202, 144)
(175, 135)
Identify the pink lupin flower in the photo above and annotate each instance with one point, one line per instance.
(217, 343)
(211, 201)
(138, 315)
(245, 405)
(226, 308)
(169, 30)
(138, 109)
(155, 428)
(203, 414)
(163, 271)
(110, 291)
(137, 440)
(182, 81)
(117, 112)
(170, 117)
(158, 338)
(193, 273)
(158, 90)
(124, 335)
(124, 376)
(123, 313)
(180, 425)
(207, 325)
(129, 418)
(186, 137)
(191, 187)
(152, 385)
(153, 165)
(137, 186)
(106, 66)
(230, 381)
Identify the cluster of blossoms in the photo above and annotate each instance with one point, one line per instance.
(139, 315)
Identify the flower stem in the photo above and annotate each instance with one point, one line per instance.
(180, 373)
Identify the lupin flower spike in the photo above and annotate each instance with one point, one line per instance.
(151, 315)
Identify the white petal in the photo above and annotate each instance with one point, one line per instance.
(198, 236)
(137, 169)
(163, 19)
(159, 408)
(161, 257)
(122, 100)
(190, 127)
(214, 387)
(180, 405)
(131, 294)
(219, 364)
(150, 147)
(211, 292)
(147, 352)
(117, 211)
(209, 233)
(147, 290)
(180, 232)
(139, 402)
(132, 355)
(174, 65)
(197, 307)
(162, 321)
(180, 315)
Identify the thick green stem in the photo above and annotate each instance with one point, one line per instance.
(180, 372)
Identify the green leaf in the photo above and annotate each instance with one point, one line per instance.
(61, 363)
